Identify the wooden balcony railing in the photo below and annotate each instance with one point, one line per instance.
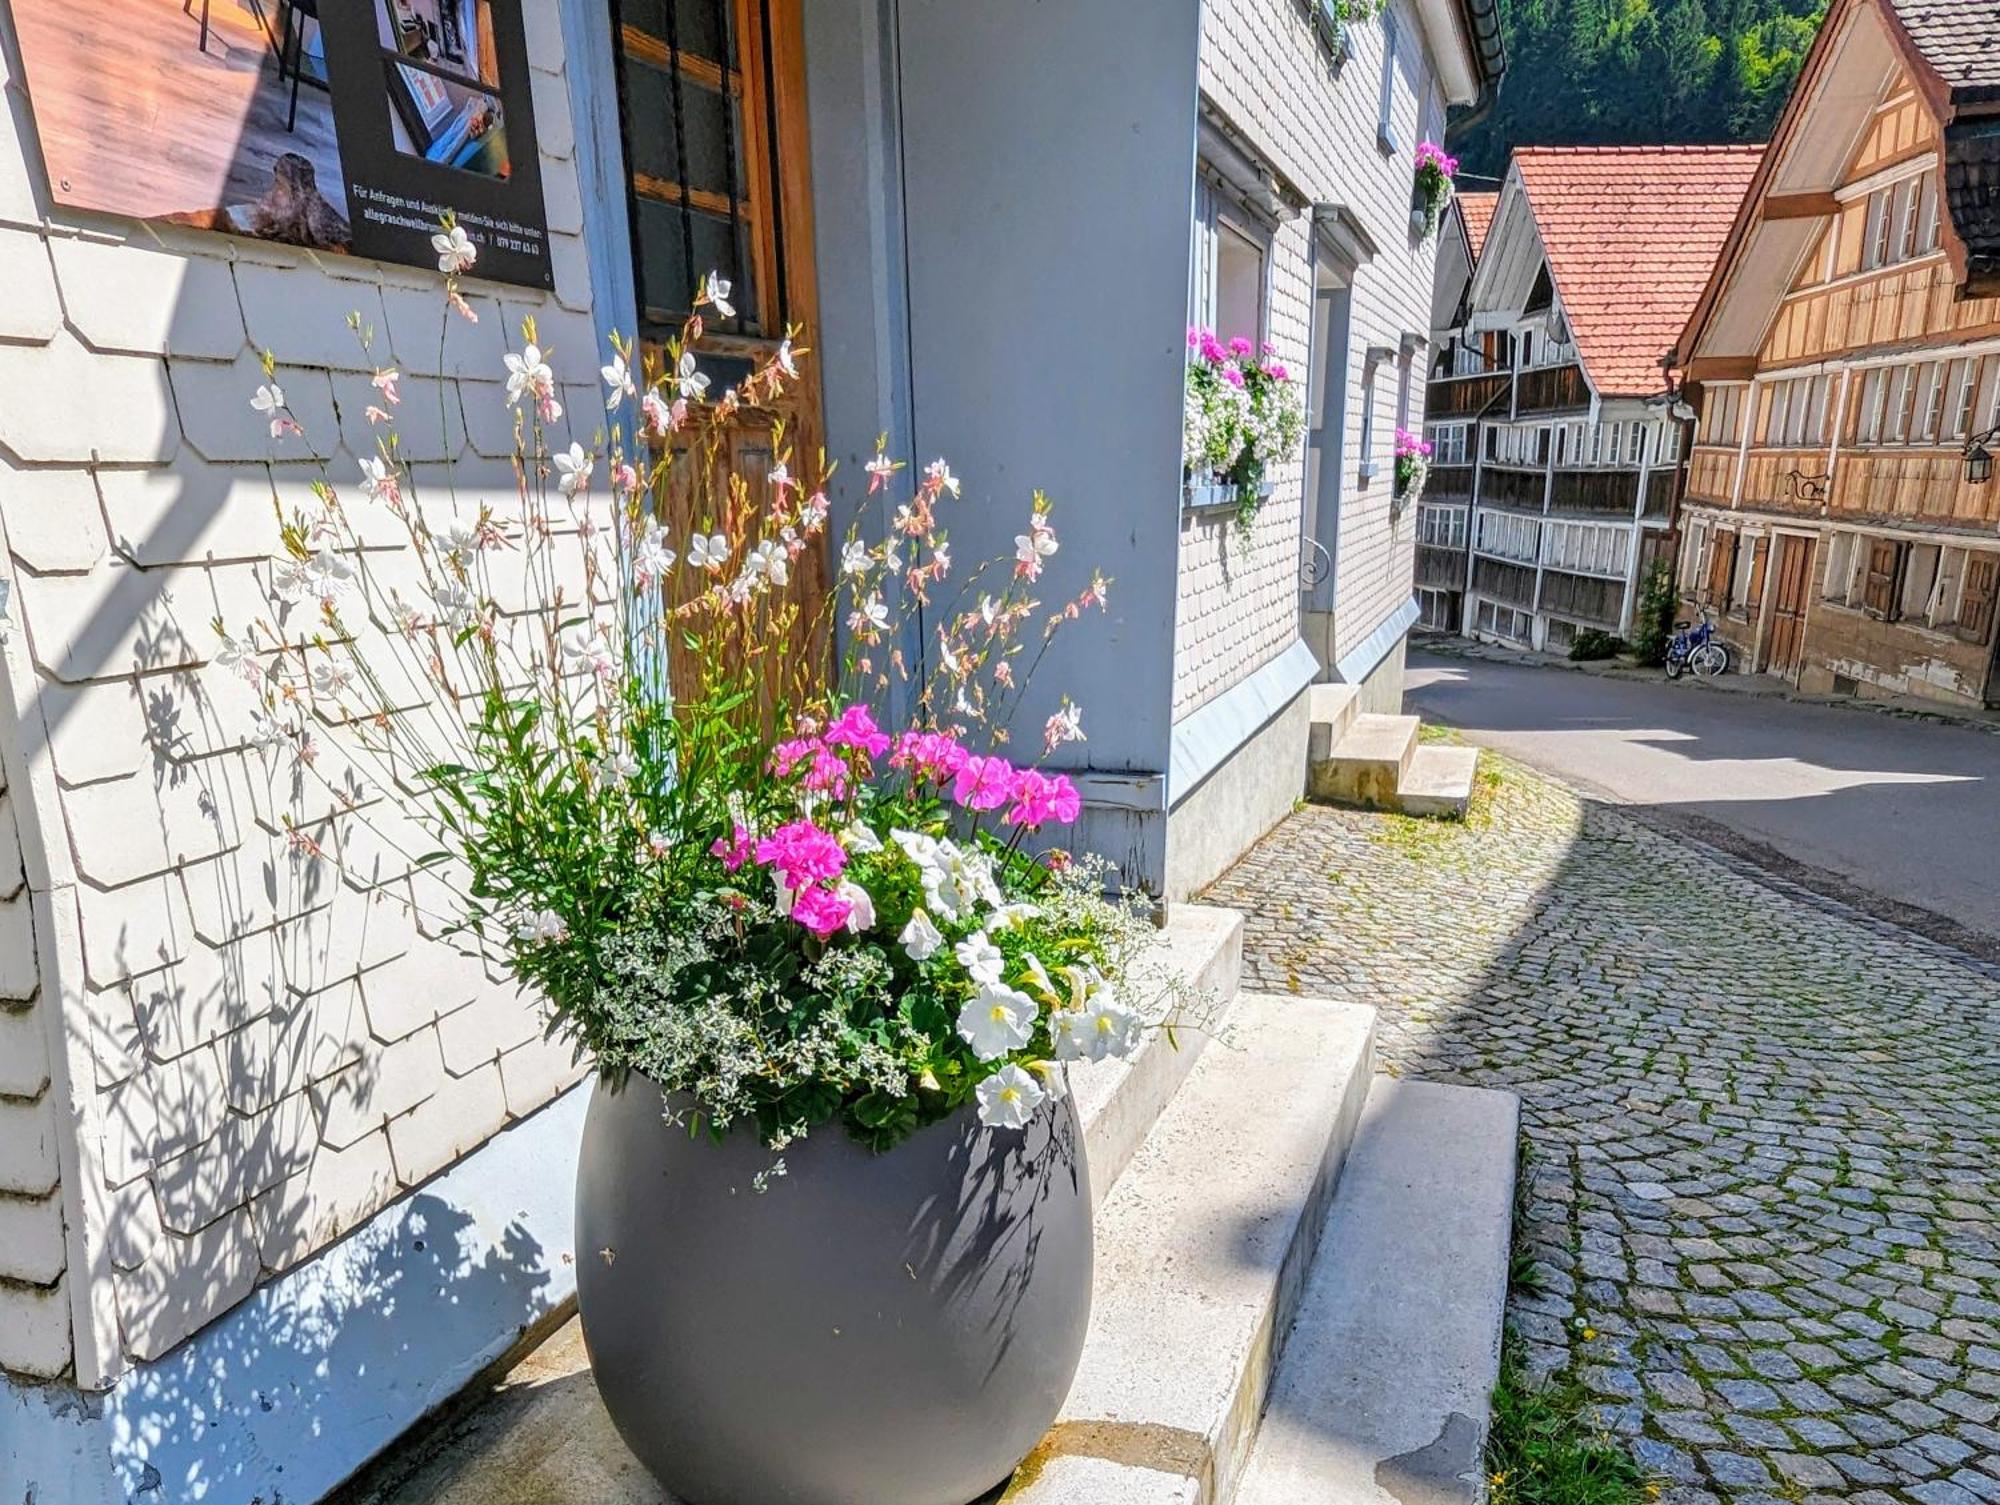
(1505, 487)
(1551, 389)
(1449, 483)
(1464, 396)
(1442, 569)
(1583, 598)
(1595, 493)
(1499, 581)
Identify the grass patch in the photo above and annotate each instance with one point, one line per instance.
(1546, 1449)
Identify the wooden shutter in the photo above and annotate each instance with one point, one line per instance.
(1760, 559)
(1721, 566)
(1980, 593)
(1885, 567)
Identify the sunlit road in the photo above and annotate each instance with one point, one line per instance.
(1905, 811)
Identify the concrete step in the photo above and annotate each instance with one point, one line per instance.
(1202, 1253)
(1332, 710)
(1438, 781)
(1367, 763)
(1384, 1394)
(1119, 1101)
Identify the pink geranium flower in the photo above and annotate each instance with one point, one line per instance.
(983, 783)
(733, 849)
(802, 854)
(929, 755)
(855, 727)
(1040, 798)
(820, 910)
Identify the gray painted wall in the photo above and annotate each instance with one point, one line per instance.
(1003, 194)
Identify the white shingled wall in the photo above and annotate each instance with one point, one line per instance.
(228, 1054)
(1267, 74)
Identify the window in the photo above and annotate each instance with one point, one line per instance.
(1904, 221)
(1385, 111)
(1669, 447)
(1839, 567)
(1930, 401)
(1505, 622)
(1880, 584)
(1507, 535)
(1874, 384)
(1739, 583)
(1902, 403)
(1448, 443)
(1229, 277)
(1905, 211)
(1437, 610)
(1721, 415)
(1635, 444)
(1979, 595)
(1929, 216)
(1441, 527)
(1879, 230)
(1721, 567)
(1585, 548)
(1920, 573)
(1964, 385)
(1369, 372)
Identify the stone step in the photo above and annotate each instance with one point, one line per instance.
(1384, 1394)
(1332, 710)
(1438, 781)
(1118, 1101)
(1202, 1254)
(1367, 763)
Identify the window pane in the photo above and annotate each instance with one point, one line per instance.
(711, 131)
(702, 27)
(666, 290)
(1239, 285)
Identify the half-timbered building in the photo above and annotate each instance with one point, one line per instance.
(1549, 406)
(1841, 516)
(1444, 512)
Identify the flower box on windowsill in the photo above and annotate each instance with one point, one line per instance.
(1213, 496)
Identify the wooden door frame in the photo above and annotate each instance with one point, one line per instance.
(1808, 541)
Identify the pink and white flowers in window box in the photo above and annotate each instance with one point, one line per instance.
(1413, 464)
(1242, 415)
(1435, 170)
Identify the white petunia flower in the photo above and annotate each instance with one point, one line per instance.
(996, 1021)
(980, 958)
(1007, 916)
(859, 838)
(920, 938)
(1053, 1079)
(1008, 1098)
(1039, 976)
(861, 907)
(455, 250)
(708, 552)
(575, 466)
(715, 293)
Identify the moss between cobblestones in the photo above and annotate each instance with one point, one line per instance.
(1545, 1448)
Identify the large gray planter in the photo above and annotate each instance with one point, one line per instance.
(894, 1329)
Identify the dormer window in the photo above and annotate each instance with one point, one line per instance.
(1543, 294)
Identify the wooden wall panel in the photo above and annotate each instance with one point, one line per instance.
(1899, 132)
(1712, 473)
(1925, 487)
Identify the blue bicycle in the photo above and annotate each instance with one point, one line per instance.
(1695, 646)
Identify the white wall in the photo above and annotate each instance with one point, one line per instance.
(246, 1054)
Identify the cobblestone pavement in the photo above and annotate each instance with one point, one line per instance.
(1760, 1194)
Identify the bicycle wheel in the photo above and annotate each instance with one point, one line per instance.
(1709, 660)
(1675, 666)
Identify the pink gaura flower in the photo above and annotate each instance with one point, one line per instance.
(983, 783)
(385, 383)
(820, 910)
(734, 849)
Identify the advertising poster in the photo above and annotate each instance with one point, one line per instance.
(343, 125)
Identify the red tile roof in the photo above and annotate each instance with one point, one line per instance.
(1632, 233)
(1478, 211)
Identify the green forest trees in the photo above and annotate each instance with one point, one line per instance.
(1621, 72)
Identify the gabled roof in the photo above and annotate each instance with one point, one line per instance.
(1631, 234)
(1476, 209)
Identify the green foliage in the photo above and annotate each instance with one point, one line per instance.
(1546, 1448)
(1653, 621)
(1591, 644)
(1621, 72)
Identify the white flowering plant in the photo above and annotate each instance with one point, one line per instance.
(620, 759)
(1242, 414)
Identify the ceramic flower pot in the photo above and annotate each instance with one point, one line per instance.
(892, 1329)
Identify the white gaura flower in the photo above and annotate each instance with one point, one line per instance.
(455, 251)
(715, 293)
(784, 360)
(920, 938)
(574, 467)
(457, 607)
(997, 1020)
(380, 481)
(859, 838)
(268, 731)
(651, 558)
(1008, 1098)
(583, 649)
(328, 574)
(854, 558)
(708, 552)
(330, 678)
(1037, 544)
(940, 473)
(458, 543)
(861, 907)
(615, 770)
(1065, 726)
(870, 618)
(781, 478)
(767, 561)
(689, 382)
(617, 381)
(543, 927)
(880, 470)
(270, 401)
(980, 958)
(528, 375)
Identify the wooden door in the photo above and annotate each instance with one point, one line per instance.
(1788, 606)
(713, 103)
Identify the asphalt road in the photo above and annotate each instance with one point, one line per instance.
(1900, 816)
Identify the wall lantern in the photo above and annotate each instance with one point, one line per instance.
(1978, 462)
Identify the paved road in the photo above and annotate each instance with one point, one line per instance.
(1761, 1209)
(1906, 811)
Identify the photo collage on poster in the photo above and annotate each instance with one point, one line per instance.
(341, 125)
